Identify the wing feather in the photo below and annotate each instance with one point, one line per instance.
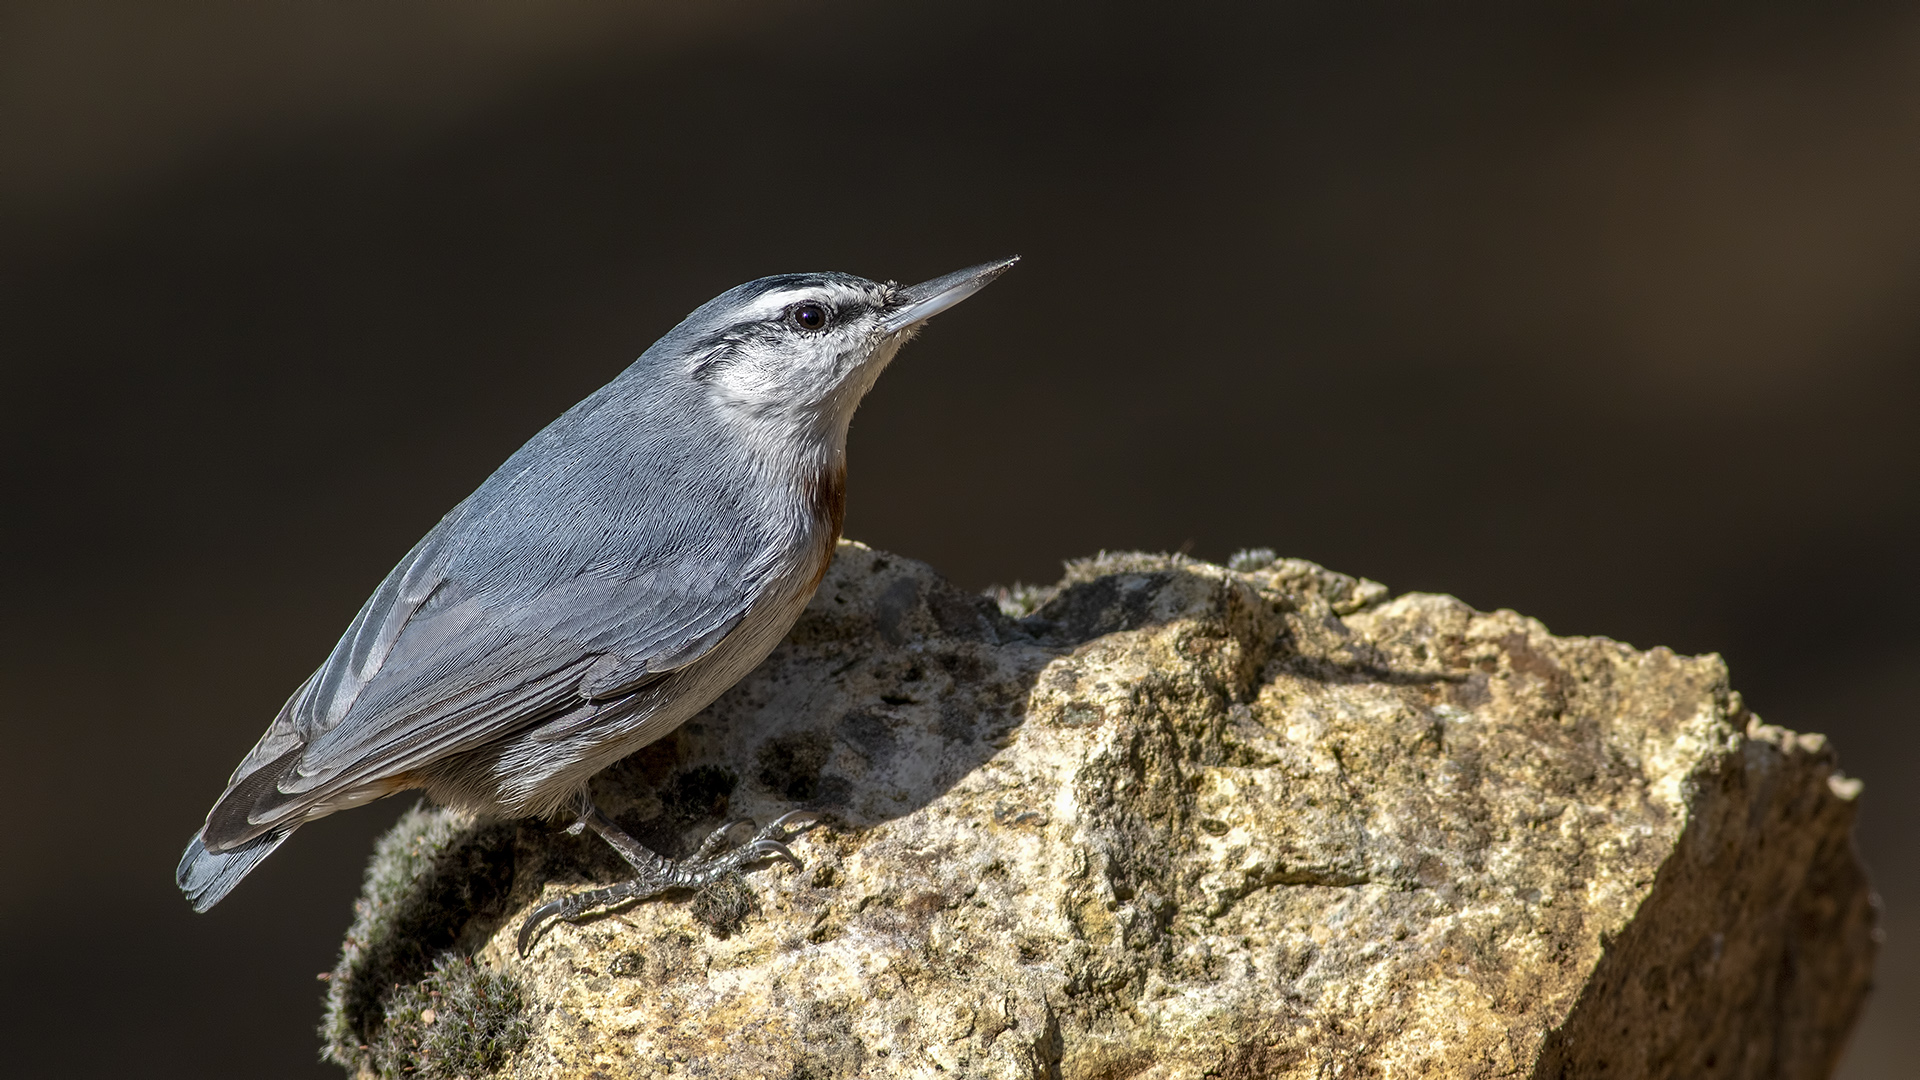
(566, 581)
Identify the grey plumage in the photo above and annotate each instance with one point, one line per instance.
(619, 571)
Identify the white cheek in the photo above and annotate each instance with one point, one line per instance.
(796, 402)
(745, 384)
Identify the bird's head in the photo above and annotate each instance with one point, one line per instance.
(789, 357)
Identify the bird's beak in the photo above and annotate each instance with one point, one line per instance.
(918, 303)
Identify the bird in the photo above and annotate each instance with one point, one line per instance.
(621, 570)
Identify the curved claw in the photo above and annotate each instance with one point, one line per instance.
(794, 819)
(541, 917)
(717, 839)
(774, 849)
(658, 875)
(573, 907)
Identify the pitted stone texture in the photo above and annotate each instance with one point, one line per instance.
(1185, 822)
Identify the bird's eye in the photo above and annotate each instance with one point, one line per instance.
(809, 316)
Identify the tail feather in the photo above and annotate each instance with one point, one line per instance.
(206, 877)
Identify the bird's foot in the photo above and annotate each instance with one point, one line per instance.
(711, 863)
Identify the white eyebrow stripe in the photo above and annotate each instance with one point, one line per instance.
(773, 303)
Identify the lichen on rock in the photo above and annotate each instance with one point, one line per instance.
(1167, 819)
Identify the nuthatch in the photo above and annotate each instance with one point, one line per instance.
(625, 567)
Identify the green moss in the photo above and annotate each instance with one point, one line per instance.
(1109, 563)
(435, 887)
(462, 1020)
(725, 905)
(1252, 559)
(1017, 601)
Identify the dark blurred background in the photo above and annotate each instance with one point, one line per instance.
(1601, 311)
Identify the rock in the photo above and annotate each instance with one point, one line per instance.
(1177, 821)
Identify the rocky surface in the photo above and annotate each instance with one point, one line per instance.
(1179, 821)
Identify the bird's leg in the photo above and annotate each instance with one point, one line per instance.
(656, 874)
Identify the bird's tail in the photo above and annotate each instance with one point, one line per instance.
(206, 876)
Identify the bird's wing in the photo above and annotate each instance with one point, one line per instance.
(444, 657)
